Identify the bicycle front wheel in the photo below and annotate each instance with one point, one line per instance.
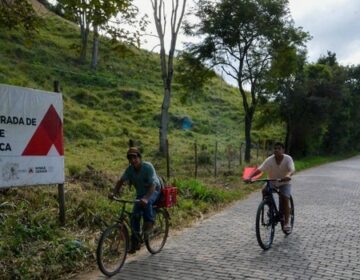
(156, 238)
(265, 224)
(112, 249)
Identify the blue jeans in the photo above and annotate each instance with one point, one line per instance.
(146, 212)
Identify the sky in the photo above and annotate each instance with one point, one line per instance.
(333, 24)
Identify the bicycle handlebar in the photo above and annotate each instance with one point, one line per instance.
(265, 180)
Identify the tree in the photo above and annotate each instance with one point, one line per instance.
(19, 13)
(95, 14)
(167, 61)
(115, 18)
(338, 134)
(192, 75)
(314, 107)
(243, 37)
(78, 12)
(353, 85)
(285, 81)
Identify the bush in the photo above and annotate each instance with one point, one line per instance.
(194, 189)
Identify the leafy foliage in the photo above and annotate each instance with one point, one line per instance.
(102, 111)
(97, 14)
(247, 39)
(15, 14)
(192, 75)
(106, 108)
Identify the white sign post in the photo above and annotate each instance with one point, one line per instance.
(31, 137)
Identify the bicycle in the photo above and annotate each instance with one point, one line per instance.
(268, 215)
(114, 242)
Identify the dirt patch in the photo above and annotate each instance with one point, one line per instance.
(39, 8)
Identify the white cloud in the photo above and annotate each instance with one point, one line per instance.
(334, 25)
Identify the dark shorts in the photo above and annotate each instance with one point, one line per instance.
(285, 190)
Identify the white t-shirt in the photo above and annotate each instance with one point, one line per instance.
(278, 171)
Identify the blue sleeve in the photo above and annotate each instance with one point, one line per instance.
(125, 176)
(150, 175)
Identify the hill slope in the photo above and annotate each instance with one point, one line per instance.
(103, 109)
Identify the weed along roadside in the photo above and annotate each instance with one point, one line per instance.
(33, 245)
(102, 108)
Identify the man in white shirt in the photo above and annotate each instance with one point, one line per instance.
(279, 166)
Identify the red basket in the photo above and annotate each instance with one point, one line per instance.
(168, 197)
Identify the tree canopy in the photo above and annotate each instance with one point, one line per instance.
(247, 38)
(97, 15)
(18, 14)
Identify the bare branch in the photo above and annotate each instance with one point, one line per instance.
(229, 73)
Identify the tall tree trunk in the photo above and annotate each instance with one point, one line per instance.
(248, 125)
(164, 121)
(288, 136)
(84, 42)
(95, 48)
(167, 66)
(249, 115)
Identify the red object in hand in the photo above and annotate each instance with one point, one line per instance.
(248, 171)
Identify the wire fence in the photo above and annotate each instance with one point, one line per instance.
(199, 159)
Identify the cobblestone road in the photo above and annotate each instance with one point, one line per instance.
(324, 243)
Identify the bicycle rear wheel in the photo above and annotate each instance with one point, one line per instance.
(292, 216)
(265, 224)
(112, 249)
(156, 238)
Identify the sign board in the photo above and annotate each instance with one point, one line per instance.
(31, 137)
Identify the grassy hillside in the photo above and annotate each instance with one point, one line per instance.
(103, 109)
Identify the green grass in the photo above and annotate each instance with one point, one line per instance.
(103, 109)
(311, 161)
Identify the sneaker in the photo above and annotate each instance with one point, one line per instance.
(134, 247)
(287, 228)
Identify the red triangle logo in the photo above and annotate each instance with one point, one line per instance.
(49, 132)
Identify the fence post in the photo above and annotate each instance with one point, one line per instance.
(131, 143)
(215, 159)
(61, 190)
(167, 160)
(264, 150)
(229, 156)
(257, 149)
(241, 147)
(196, 160)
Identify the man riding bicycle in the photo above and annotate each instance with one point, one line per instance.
(279, 166)
(143, 176)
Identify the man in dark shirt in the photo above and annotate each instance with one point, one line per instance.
(143, 177)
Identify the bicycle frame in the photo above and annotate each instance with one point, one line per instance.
(268, 215)
(268, 195)
(113, 245)
(125, 217)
